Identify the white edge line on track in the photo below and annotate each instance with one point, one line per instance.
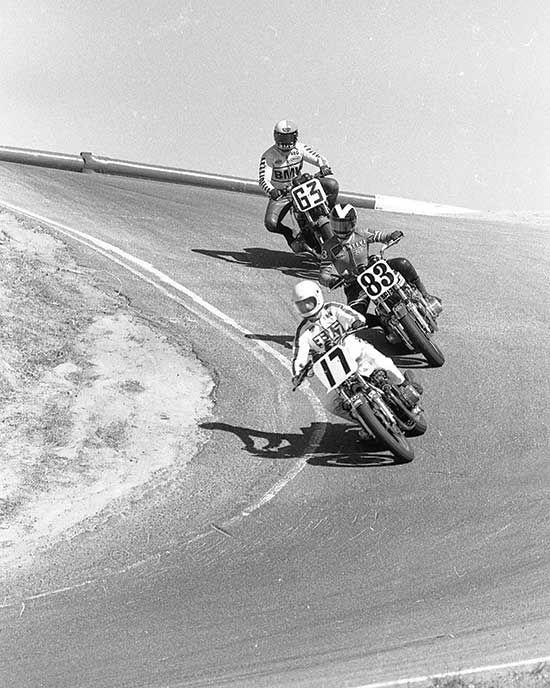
(462, 672)
(119, 257)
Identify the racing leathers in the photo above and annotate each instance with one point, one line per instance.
(315, 335)
(342, 259)
(277, 169)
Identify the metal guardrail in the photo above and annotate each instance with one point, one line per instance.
(88, 162)
(27, 156)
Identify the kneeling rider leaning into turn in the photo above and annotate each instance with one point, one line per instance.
(323, 323)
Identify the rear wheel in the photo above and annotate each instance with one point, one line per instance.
(391, 436)
(431, 352)
(312, 240)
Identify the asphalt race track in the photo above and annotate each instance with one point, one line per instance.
(352, 570)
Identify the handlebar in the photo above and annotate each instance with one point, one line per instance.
(300, 179)
(308, 368)
(338, 283)
(361, 267)
(385, 247)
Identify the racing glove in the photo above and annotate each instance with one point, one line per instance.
(325, 170)
(333, 281)
(396, 235)
(275, 194)
(296, 380)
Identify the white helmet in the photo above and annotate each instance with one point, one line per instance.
(285, 134)
(308, 298)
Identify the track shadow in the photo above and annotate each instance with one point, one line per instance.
(303, 267)
(340, 446)
(401, 356)
(284, 340)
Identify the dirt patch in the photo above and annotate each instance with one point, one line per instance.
(537, 677)
(94, 401)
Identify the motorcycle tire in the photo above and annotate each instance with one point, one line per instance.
(431, 352)
(312, 241)
(396, 442)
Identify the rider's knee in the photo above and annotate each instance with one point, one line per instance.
(331, 188)
(271, 218)
(270, 224)
(405, 267)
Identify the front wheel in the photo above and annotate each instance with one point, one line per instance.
(431, 352)
(391, 437)
(312, 240)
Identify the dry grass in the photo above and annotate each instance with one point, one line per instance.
(46, 308)
(44, 312)
(84, 419)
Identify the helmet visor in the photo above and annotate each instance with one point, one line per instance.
(342, 228)
(306, 306)
(286, 140)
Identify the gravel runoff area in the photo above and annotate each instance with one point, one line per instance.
(94, 400)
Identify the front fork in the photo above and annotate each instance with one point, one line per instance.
(365, 394)
(321, 221)
(391, 319)
(392, 315)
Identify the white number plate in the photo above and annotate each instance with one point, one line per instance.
(308, 195)
(334, 367)
(378, 278)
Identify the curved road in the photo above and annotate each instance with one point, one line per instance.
(356, 571)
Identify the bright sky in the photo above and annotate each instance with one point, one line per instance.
(436, 100)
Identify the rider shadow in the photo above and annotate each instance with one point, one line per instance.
(284, 340)
(339, 447)
(304, 267)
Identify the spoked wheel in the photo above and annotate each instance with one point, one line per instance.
(391, 436)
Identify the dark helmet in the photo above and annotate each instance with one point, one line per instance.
(285, 134)
(343, 219)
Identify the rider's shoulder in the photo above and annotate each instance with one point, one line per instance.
(271, 152)
(333, 307)
(304, 326)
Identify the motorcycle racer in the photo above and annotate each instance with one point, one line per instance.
(281, 163)
(321, 324)
(348, 249)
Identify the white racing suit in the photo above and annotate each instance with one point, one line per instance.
(313, 334)
(277, 169)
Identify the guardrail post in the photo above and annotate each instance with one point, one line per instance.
(90, 163)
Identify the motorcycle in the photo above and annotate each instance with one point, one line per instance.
(309, 209)
(372, 402)
(403, 311)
